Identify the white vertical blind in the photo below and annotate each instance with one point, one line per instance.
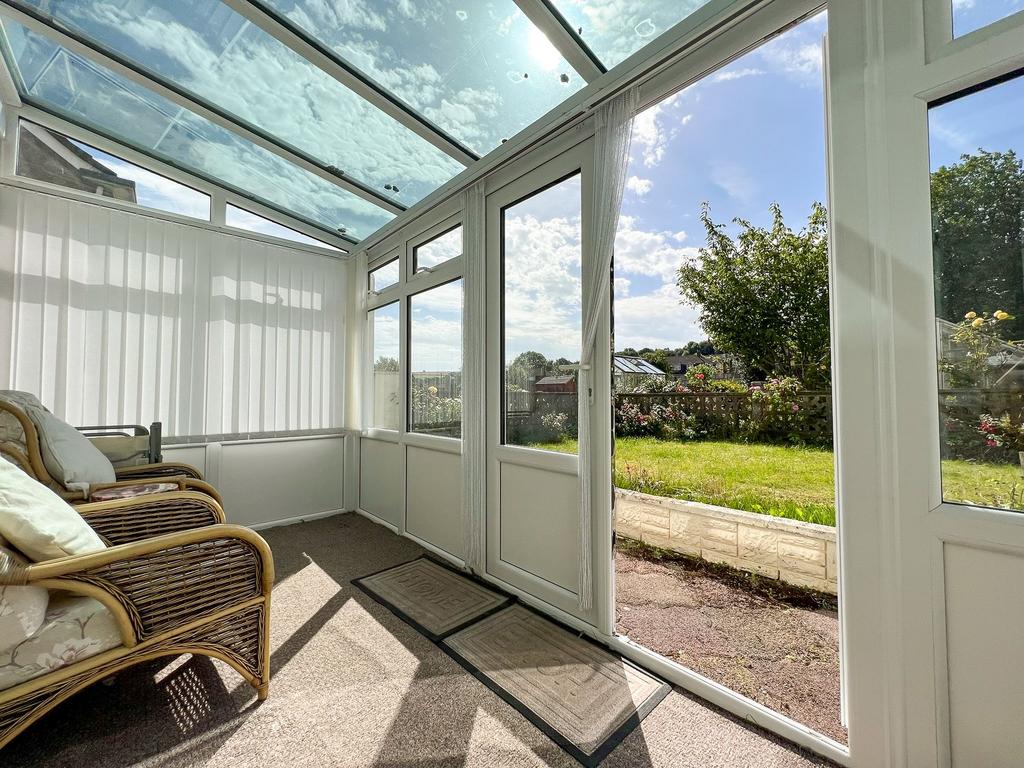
(120, 317)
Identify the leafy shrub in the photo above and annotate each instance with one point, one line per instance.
(699, 377)
(776, 414)
(728, 385)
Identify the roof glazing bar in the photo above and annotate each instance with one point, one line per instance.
(549, 21)
(183, 98)
(32, 108)
(319, 55)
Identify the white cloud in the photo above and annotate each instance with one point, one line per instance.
(679, 236)
(638, 186)
(652, 254)
(655, 319)
(736, 74)
(735, 180)
(157, 191)
(794, 54)
(621, 287)
(654, 128)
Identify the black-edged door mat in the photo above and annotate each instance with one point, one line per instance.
(584, 698)
(432, 597)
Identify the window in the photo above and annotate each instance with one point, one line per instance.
(969, 15)
(385, 276)
(542, 316)
(383, 327)
(243, 219)
(46, 155)
(435, 361)
(977, 201)
(437, 251)
(614, 30)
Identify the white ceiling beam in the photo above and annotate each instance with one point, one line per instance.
(321, 56)
(547, 21)
(183, 99)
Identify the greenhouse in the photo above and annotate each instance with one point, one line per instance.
(511, 382)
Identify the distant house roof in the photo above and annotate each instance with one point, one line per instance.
(696, 359)
(630, 364)
(551, 380)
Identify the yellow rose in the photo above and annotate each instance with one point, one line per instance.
(977, 323)
(970, 315)
(1000, 315)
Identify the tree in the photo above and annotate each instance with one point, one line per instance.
(386, 364)
(705, 348)
(977, 214)
(763, 296)
(657, 357)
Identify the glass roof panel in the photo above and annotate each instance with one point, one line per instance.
(480, 71)
(60, 81)
(212, 51)
(614, 30)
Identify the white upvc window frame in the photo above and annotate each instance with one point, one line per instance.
(219, 196)
(403, 242)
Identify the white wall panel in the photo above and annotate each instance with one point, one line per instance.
(984, 638)
(269, 481)
(115, 316)
(540, 523)
(380, 484)
(433, 484)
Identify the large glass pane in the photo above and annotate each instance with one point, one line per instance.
(480, 71)
(542, 317)
(217, 54)
(62, 82)
(383, 328)
(969, 15)
(977, 198)
(439, 250)
(243, 219)
(614, 29)
(435, 361)
(47, 155)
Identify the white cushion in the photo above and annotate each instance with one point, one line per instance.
(22, 608)
(69, 456)
(39, 522)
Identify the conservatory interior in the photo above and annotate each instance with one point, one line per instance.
(511, 382)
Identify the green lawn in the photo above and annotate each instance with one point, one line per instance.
(785, 481)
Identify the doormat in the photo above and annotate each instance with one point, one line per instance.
(584, 698)
(433, 598)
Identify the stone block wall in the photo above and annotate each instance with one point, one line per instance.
(777, 548)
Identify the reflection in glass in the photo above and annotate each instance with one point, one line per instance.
(46, 155)
(84, 92)
(613, 30)
(969, 15)
(212, 51)
(385, 276)
(977, 199)
(439, 250)
(435, 361)
(383, 327)
(480, 71)
(243, 219)
(542, 317)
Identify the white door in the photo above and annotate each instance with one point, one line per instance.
(927, 204)
(536, 240)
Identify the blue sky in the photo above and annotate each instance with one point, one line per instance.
(750, 134)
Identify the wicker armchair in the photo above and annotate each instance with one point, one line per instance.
(19, 443)
(201, 590)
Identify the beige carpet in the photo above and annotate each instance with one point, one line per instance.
(581, 692)
(433, 597)
(353, 685)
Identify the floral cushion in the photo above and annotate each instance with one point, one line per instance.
(74, 628)
(22, 608)
(131, 491)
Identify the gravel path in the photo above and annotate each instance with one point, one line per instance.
(780, 650)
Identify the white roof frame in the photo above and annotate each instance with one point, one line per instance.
(549, 21)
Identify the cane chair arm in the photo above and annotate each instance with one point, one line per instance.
(159, 585)
(157, 471)
(127, 520)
